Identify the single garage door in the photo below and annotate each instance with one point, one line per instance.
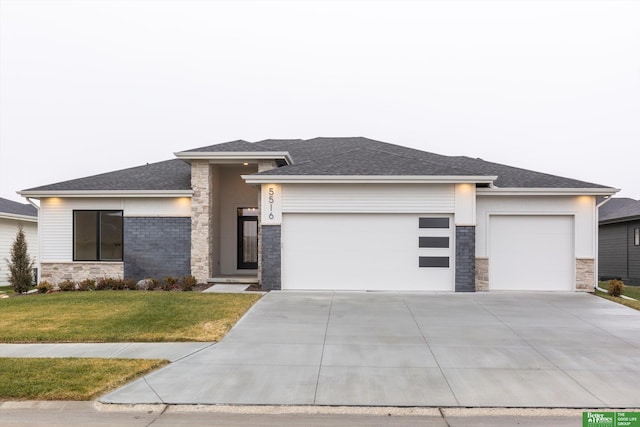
(531, 253)
(367, 252)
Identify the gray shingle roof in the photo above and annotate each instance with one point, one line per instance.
(15, 208)
(323, 156)
(231, 146)
(508, 176)
(168, 175)
(621, 209)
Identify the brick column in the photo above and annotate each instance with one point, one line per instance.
(465, 258)
(200, 220)
(271, 257)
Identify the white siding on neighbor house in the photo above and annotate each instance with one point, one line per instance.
(581, 208)
(8, 230)
(368, 198)
(56, 218)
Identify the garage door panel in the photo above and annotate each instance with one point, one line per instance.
(531, 252)
(358, 252)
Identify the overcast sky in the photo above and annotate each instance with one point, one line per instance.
(94, 86)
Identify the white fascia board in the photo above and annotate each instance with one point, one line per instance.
(234, 155)
(495, 191)
(27, 218)
(366, 179)
(107, 193)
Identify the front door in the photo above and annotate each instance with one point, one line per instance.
(247, 238)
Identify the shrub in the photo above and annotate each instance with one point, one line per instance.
(44, 287)
(130, 284)
(104, 284)
(118, 284)
(169, 283)
(67, 285)
(189, 282)
(615, 288)
(21, 264)
(87, 285)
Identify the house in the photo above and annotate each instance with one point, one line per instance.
(619, 241)
(12, 215)
(325, 213)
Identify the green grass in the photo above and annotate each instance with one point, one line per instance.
(7, 290)
(121, 316)
(629, 291)
(67, 379)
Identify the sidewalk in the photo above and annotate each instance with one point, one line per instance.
(171, 351)
(72, 414)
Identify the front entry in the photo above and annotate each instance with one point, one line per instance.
(247, 238)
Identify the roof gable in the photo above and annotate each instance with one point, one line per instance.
(622, 210)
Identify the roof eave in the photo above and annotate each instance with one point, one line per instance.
(500, 191)
(18, 217)
(367, 179)
(37, 194)
(234, 155)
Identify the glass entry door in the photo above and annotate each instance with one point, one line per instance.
(247, 238)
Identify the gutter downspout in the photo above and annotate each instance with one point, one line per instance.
(39, 239)
(597, 240)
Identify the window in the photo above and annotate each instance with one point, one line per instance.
(433, 223)
(97, 235)
(433, 242)
(636, 237)
(433, 261)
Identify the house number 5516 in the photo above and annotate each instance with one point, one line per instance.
(271, 201)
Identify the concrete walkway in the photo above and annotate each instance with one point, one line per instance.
(172, 351)
(566, 350)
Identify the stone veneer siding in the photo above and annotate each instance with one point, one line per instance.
(157, 247)
(200, 220)
(465, 258)
(56, 272)
(271, 257)
(585, 274)
(482, 274)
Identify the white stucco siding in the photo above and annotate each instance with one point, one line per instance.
(368, 198)
(56, 218)
(581, 208)
(8, 230)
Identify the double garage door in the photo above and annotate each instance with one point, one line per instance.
(409, 252)
(402, 252)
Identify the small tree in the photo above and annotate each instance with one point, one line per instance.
(21, 265)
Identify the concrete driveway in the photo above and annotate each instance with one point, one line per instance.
(410, 349)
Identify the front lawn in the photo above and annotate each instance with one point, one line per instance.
(120, 316)
(67, 379)
(7, 290)
(629, 291)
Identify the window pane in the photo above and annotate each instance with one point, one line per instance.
(110, 235)
(434, 261)
(433, 242)
(85, 237)
(636, 237)
(434, 223)
(249, 241)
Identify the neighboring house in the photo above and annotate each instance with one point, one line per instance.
(619, 241)
(12, 214)
(325, 213)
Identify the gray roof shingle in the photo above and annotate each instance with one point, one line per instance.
(621, 209)
(172, 174)
(15, 208)
(323, 156)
